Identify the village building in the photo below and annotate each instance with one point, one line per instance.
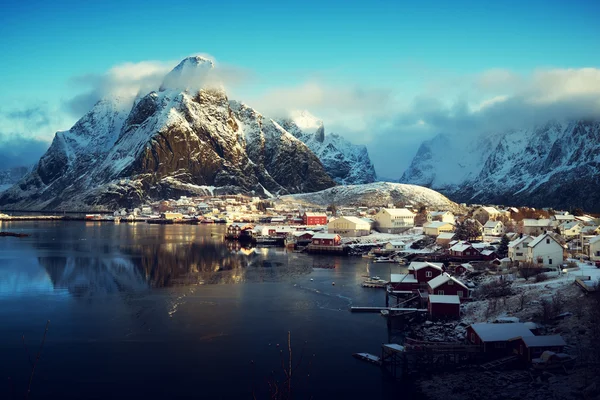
(326, 239)
(535, 227)
(238, 229)
(313, 218)
(530, 347)
(349, 226)
(303, 236)
(444, 238)
(464, 250)
(394, 220)
(570, 229)
(495, 338)
(441, 216)
(562, 218)
(443, 306)
(171, 215)
(394, 246)
(493, 228)
(545, 251)
(419, 273)
(594, 244)
(436, 227)
(448, 285)
(463, 269)
(486, 213)
(517, 249)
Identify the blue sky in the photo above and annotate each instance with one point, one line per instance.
(395, 54)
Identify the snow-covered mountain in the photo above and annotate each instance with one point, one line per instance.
(376, 194)
(170, 142)
(10, 176)
(552, 165)
(346, 163)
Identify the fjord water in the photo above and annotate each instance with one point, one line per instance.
(149, 311)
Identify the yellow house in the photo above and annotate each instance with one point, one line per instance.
(436, 227)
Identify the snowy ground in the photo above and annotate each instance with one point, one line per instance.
(573, 325)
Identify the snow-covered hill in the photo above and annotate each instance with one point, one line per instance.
(346, 163)
(174, 141)
(376, 194)
(10, 176)
(553, 165)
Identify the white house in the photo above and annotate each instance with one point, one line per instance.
(536, 226)
(493, 228)
(595, 248)
(517, 249)
(442, 216)
(394, 220)
(545, 251)
(349, 226)
(436, 227)
(570, 229)
(486, 213)
(395, 246)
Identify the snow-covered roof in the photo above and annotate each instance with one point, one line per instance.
(440, 280)
(446, 235)
(487, 252)
(438, 213)
(536, 222)
(397, 243)
(518, 241)
(491, 224)
(399, 212)
(569, 224)
(460, 247)
(500, 332)
(404, 278)
(315, 214)
(544, 341)
(354, 220)
(540, 238)
(325, 236)
(417, 265)
(490, 210)
(567, 217)
(436, 224)
(302, 233)
(444, 299)
(594, 239)
(467, 266)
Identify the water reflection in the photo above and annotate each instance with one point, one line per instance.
(92, 260)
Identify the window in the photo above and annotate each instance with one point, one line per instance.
(500, 345)
(547, 241)
(450, 282)
(441, 292)
(540, 261)
(519, 254)
(550, 261)
(428, 274)
(459, 293)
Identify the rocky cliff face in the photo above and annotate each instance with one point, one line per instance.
(10, 176)
(346, 163)
(553, 165)
(175, 141)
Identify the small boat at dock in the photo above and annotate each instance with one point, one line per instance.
(375, 282)
(370, 358)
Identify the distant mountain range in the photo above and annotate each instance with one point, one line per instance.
(10, 176)
(182, 141)
(552, 165)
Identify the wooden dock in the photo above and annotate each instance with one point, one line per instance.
(370, 358)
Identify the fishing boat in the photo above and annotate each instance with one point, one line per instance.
(384, 260)
(375, 282)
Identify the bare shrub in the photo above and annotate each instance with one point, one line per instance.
(541, 277)
(523, 298)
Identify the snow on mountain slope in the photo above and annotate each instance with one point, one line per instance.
(376, 194)
(552, 165)
(10, 176)
(172, 142)
(347, 163)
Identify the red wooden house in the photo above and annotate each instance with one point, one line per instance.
(419, 273)
(443, 306)
(448, 285)
(495, 338)
(312, 218)
(463, 268)
(464, 250)
(326, 239)
(530, 347)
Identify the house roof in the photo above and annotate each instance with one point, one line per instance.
(417, 265)
(397, 243)
(315, 214)
(399, 212)
(487, 252)
(302, 233)
(569, 224)
(440, 280)
(325, 236)
(354, 220)
(491, 224)
(490, 210)
(443, 299)
(436, 224)
(536, 222)
(544, 341)
(594, 239)
(500, 332)
(438, 213)
(540, 238)
(460, 247)
(518, 241)
(404, 278)
(446, 235)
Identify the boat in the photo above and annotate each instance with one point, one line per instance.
(552, 360)
(384, 260)
(373, 359)
(375, 282)
(207, 221)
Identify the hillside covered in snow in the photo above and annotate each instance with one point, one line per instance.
(553, 165)
(10, 176)
(376, 194)
(184, 138)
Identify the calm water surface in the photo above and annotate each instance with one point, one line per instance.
(147, 311)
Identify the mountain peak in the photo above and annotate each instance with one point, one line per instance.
(191, 72)
(308, 123)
